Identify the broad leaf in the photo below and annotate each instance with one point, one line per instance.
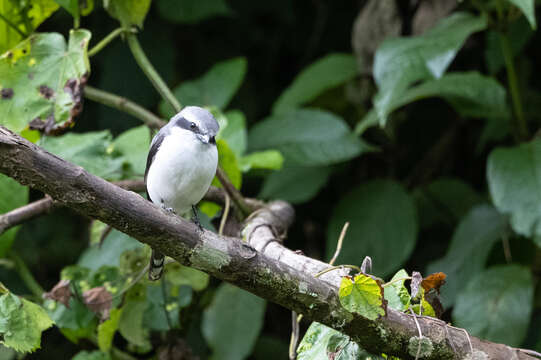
(13, 196)
(43, 81)
(528, 9)
(91, 355)
(38, 12)
(228, 161)
(513, 175)
(178, 274)
(363, 295)
(495, 301)
(469, 249)
(77, 317)
(307, 137)
(295, 184)
(326, 73)
(383, 225)
(268, 159)
(400, 62)
(396, 293)
(107, 329)
(215, 88)
(76, 7)
(128, 12)
(234, 132)
(130, 324)
(230, 330)
(134, 145)
(192, 11)
(22, 323)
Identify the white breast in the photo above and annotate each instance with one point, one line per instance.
(182, 171)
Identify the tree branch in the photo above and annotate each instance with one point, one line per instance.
(260, 264)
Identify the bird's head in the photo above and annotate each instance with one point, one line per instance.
(198, 121)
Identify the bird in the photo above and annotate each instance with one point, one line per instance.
(181, 164)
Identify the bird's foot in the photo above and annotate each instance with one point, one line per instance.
(168, 209)
(195, 218)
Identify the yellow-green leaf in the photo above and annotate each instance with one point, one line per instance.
(362, 295)
(107, 329)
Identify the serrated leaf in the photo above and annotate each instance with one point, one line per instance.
(362, 295)
(324, 74)
(469, 249)
(528, 9)
(215, 88)
(400, 62)
(128, 12)
(307, 137)
(192, 11)
(134, 144)
(42, 81)
(14, 195)
(268, 159)
(107, 329)
(12, 10)
(513, 175)
(230, 330)
(495, 301)
(396, 294)
(22, 323)
(382, 216)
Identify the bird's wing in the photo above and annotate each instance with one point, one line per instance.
(154, 146)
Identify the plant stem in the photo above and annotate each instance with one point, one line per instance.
(13, 26)
(151, 73)
(232, 191)
(521, 127)
(105, 41)
(26, 275)
(353, 267)
(396, 280)
(123, 104)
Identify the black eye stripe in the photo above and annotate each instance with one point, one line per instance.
(183, 123)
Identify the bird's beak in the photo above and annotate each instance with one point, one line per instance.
(205, 138)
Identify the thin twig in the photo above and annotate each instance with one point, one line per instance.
(232, 191)
(294, 335)
(420, 334)
(530, 352)
(25, 274)
(107, 40)
(225, 214)
(506, 248)
(164, 298)
(336, 268)
(339, 245)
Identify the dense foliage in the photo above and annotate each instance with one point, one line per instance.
(423, 138)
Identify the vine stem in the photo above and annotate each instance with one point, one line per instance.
(396, 280)
(150, 72)
(25, 274)
(125, 105)
(107, 40)
(13, 26)
(353, 267)
(520, 121)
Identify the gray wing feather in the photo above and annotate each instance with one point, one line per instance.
(154, 146)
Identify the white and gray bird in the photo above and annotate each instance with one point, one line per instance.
(181, 164)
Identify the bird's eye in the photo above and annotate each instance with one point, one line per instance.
(192, 126)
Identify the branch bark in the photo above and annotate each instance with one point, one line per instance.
(260, 264)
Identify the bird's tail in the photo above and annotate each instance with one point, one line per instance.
(155, 270)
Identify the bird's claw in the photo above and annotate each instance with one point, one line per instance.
(195, 218)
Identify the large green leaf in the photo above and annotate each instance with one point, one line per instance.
(232, 322)
(400, 62)
(307, 137)
(362, 295)
(295, 184)
(134, 145)
(128, 12)
(77, 8)
(267, 159)
(22, 323)
(383, 225)
(42, 81)
(36, 11)
(496, 304)
(192, 11)
(396, 293)
(326, 73)
(107, 330)
(528, 8)
(514, 181)
(130, 324)
(91, 150)
(234, 131)
(215, 88)
(13, 196)
(469, 249)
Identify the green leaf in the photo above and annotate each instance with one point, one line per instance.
(383, 225)
(324, 74)
(128, 12)
(14, 195)
(323, 343)
(528, 9)
(22, 323)
(131, 326)
(496, 304)
(192, 11)
(215, 88)
(107, 329)
(44, 79)
(445, 200)
(307, 137)
(268, 159)
(295, 184)
(14, 12)
(227, 160)
(176, 297)
(91, 150)
(396, 294)
(178, 275)
(77, 317)
(513, 175)
(91, 355)
(469, 249)
(232, 322)
(74, 7)
(234, 132)
(134, 145)
(362, 295)
(400, 62)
